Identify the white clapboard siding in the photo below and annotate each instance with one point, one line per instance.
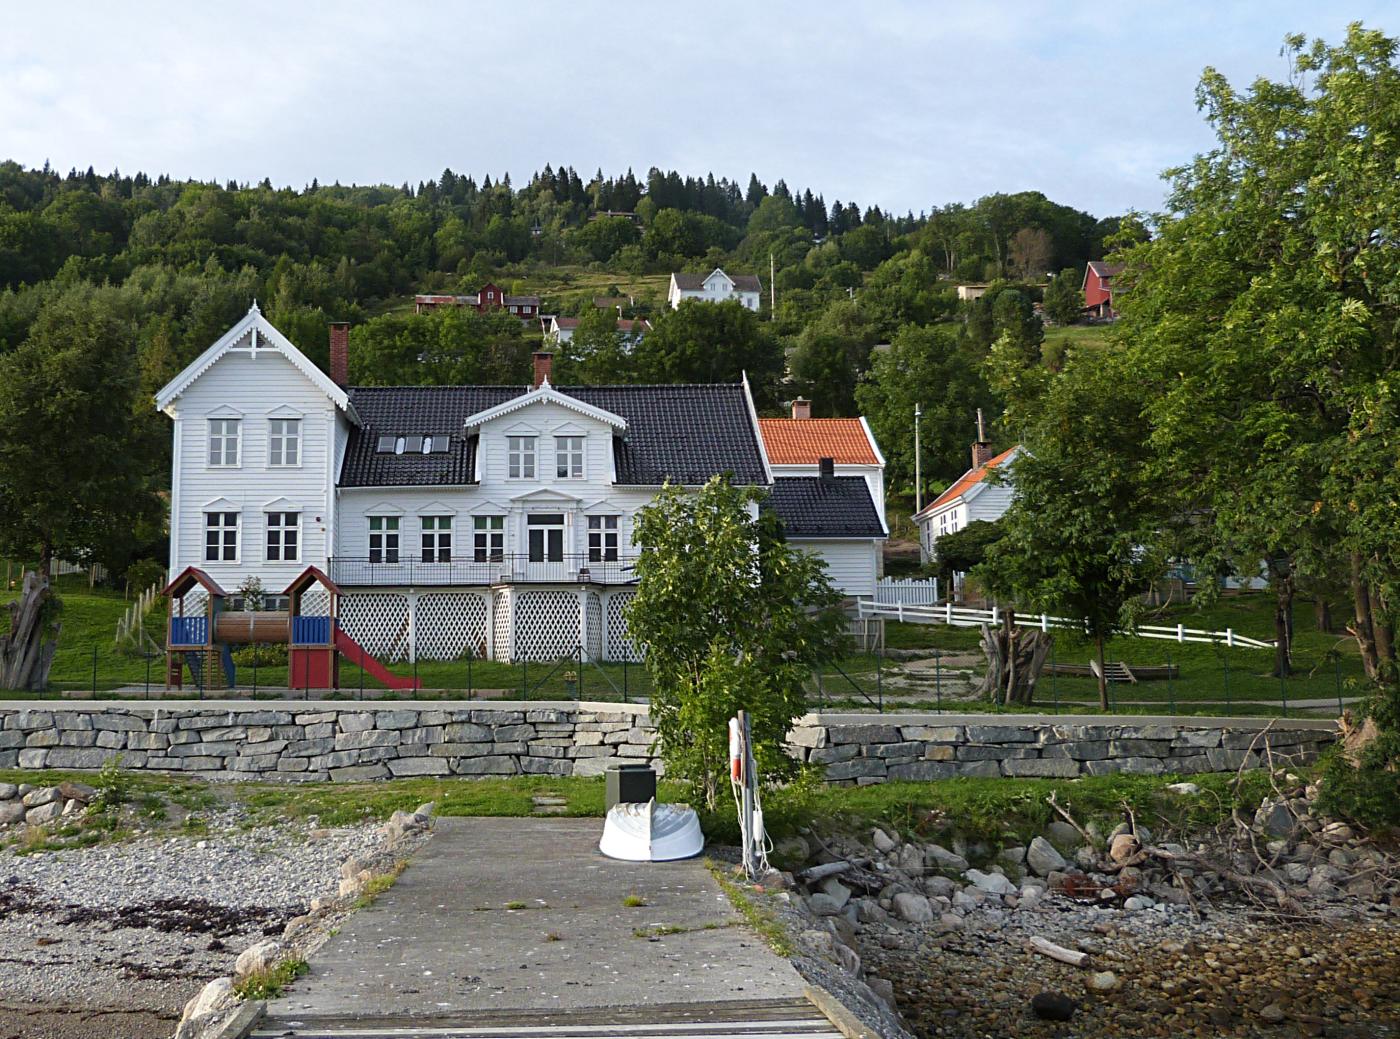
(851, 565)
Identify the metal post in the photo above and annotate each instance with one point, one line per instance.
(1337, 667)
(148, 679)
(750, 862)
(415, 667)
(1171, 696)
(879, 684)
(918, 461)
(471, 655)
(256, 647)
(625, 696)
(1228, 707)
(578, 690)
(94, 672)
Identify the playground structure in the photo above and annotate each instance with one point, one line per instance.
(202, 632)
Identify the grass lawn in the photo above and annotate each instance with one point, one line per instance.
(997, 809)
(1079, 335)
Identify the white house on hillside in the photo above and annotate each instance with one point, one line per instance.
(715, 287)
(495, 520)
(969, 498)
(561, 329)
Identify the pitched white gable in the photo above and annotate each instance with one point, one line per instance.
(545, 394)
(252, 334)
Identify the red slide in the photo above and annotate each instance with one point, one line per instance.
(355, 653)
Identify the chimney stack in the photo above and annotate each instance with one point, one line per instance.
(801, 408)
(982, 450)
(827, 468)
(544, 362)
(340, 353)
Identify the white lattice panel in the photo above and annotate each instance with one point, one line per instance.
(593, 625)
(546, 625)
(504, 648)
(316, 602)
(196, 602)
(618, 646)
(378, 622)
(449, 624)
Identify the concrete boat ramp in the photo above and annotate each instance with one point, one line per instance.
(516, 928)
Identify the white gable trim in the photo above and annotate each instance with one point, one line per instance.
(221, 505)
(255, 323)
(435, 508)
(545, 394)
(543, 495)
(870, 436)
(757, 430)
(280, 505)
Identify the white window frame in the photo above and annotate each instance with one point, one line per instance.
(522, 452)
(569, 455)
(604, 537)
(382, 535)
(223, 527)
(276, 529)
(283, 438)
(435, 538)
(219, 434)
(488, 538)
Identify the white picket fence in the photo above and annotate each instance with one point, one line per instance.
(967, 617)
(907, 591)
(132, 624)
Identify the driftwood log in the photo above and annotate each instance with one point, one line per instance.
(27, 649)
(1015, 658)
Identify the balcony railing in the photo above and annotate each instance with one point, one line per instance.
(580, 568)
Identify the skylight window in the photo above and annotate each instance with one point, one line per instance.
(413, 445)
(385, 445)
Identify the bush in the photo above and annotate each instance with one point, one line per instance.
(267, 654)
(143, 573)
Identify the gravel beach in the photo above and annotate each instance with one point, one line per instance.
(112, 940)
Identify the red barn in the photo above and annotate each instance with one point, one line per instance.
(1098, 288)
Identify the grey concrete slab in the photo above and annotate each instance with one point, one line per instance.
(451, 936)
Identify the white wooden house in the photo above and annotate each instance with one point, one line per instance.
(495, 520)
(715, 287)
(969, 498)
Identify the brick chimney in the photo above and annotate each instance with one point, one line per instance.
(340, 353)
(982, 450)
(544, 363)
(801, 408)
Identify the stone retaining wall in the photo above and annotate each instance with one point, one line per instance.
(861, 749)
(351, 742)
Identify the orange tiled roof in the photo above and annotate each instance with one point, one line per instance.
(966, 481)
(805, 441)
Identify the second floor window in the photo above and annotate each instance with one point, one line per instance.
(488, 538)
(568, 458)
(221, 537)
(284, 441)
(437, 539)
(520, 458)
(283, 537)
(223, 441)
(602, 539)
(383, 539)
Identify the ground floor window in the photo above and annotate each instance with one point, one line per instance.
(488, 538)
(437, 539)
(383, 539)
(221, 537)
(602, 539)
(283, 540)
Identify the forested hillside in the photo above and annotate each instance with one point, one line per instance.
(160, 268)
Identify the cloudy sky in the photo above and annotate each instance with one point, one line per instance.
(905, 105)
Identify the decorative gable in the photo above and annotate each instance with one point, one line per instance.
(545, 394)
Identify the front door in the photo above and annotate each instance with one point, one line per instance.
(545, 541)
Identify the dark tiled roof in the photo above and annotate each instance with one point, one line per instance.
(839, 507)
(684, 433)
(410, 411)
(1105, 270)
(696, 282)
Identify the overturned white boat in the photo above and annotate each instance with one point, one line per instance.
(651, 832)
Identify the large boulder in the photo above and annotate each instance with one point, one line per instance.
(912, 908)
(1043, 859)
(258, 959)
(992, 883)
(940, 857)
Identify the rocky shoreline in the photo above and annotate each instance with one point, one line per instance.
(1283, 924)
(117, 938)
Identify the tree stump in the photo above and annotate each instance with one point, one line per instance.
(27, 649)
(1015, 658)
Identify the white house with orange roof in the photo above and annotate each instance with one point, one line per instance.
(829, 487)
(969, 498)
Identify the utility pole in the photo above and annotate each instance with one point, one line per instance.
(772, 290)
(918, 461)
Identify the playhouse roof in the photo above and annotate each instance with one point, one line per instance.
(188, 578)
(311, 575)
